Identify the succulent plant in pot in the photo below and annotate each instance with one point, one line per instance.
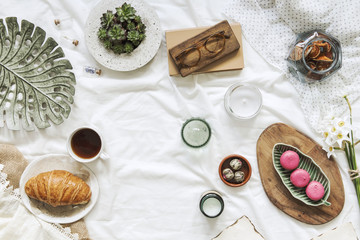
(122, 31)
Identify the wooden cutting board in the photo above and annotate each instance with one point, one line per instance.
(276, 191)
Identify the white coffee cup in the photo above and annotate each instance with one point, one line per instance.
(85, 144)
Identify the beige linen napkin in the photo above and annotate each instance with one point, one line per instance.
(14, 165)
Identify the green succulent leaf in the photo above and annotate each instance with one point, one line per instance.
(134, 37)
(102, 33)
(141, 36)
(36, 86)
(141, 27)
(116, 33)
(107, 44)
(126, 12)
(131, 26)
(123, 31)
(107, 19)
(137, 19)
(128, 47)
(118, 49)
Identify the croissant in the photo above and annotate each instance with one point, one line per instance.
(58, 188)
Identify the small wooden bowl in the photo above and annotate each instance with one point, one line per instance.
(246, 168)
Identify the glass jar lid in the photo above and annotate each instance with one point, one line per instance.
(243, 101)
(196, 132)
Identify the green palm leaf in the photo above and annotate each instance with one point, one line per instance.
(36, 86)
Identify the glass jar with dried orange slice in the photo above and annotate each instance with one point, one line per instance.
(314, 56)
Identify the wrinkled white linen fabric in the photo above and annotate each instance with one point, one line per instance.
(151, 186)
(271, 26)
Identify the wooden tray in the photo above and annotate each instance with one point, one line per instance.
(275, 189)
(232, 61)
(231, 45)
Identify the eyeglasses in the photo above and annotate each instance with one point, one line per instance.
(212, 44)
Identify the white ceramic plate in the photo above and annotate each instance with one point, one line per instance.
(60, 214)
(142, 54)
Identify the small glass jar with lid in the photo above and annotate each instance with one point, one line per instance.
(314, 56)
(196, 132)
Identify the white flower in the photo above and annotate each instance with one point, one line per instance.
(329, 138)
(327, 120)
(330, 150)
(340, 130)
(342, 136)
(342, 123)
(337, 131)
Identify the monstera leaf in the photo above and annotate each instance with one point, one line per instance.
(36, 86)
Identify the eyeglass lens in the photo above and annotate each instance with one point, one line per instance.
(213, 45)
(192, 57)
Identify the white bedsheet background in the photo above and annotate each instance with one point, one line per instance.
(151, 185)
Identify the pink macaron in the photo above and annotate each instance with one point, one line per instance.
(315, 190)
(289, 160)
(300, 178)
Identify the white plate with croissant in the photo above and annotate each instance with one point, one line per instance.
(58, 189)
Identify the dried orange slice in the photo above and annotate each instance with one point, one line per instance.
(328, 54)
(325, 45)
(296, 54)
(314, 52)
(312, 65)
(321, 66)
(328, 47)
(323, 58)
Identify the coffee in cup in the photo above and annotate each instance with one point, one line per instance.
(85, 145)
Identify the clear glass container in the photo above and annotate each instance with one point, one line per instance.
(211, 204)
(243, 101)
(314, 56)
(196, 132)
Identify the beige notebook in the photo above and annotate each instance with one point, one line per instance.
(233, 61)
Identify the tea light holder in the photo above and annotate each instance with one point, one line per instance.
(196, 132)
(243, 101)
(211, 204)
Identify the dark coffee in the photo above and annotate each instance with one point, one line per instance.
(86, 143)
